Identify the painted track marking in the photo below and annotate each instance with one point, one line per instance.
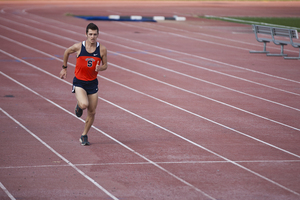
(6, 191)
(147, 163)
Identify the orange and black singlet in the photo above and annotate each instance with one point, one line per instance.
(86, 63)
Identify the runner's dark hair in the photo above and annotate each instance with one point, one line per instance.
(92, 26)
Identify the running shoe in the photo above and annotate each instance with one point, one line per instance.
(84, 140)
(78, 111)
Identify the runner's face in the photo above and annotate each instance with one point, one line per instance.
(92, 36)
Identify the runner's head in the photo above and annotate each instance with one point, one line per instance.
(92, 33)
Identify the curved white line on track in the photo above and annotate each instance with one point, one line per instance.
(222, 38)
(173, 133)
(204, 68)
(147, 163)
(211, 83)
(196, 39)
(5, 190)
(203, 58)
(225, 104)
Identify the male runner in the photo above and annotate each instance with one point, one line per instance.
(90, 54)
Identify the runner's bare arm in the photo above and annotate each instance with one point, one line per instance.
(74, 48)
(103, 52)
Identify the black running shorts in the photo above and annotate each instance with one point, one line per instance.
(91, 87)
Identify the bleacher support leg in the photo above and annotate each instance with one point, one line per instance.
(293, 58)
(281, 53)
(264, 51)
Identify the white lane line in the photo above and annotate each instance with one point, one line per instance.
(173, 133)
(208, 98)
(147, 163)
(30, 36)
(137, 91)
(216, 37)
(200, 57)
(48, 146)
(192, 38)
(182, 74)
(7, 192)
(228, 105)
(204, 68)
(186, 37)
(112, 138)
(112, 35)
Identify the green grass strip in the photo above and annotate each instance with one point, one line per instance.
(284, 22)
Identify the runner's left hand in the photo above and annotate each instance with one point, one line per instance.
(97, 69)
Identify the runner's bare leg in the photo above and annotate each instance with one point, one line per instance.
(82, 98)
(91, 111)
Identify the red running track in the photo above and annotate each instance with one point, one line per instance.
(184, 112)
